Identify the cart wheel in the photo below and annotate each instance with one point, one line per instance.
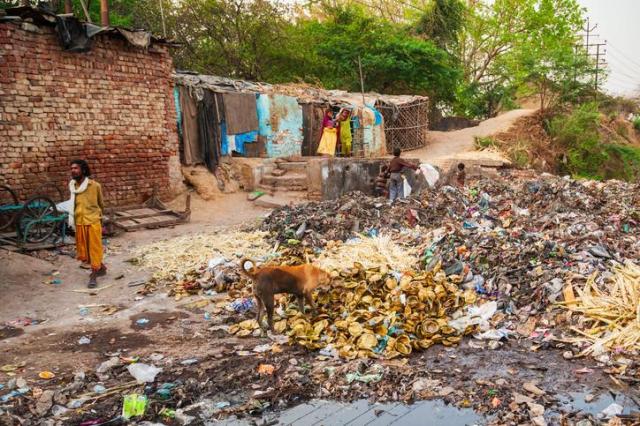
(50, 190)
(8, 202)
(37, 219)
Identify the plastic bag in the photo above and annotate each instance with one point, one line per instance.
(328, 141)
(144, 373)
(406, 187)
(430, 174)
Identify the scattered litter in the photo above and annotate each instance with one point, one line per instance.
(142, 321)
(267, 369)
(372, 375)
(144, 373)
(46, 375)
(612, 411)
(532, 388)
(241, 305)
(134, 405)
(222, 404)
(84, 340)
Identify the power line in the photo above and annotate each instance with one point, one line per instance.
(620, 52)
(624, 65)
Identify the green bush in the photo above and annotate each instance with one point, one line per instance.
(636, 123)
(577, 133)
(624, 163)
(486, 142)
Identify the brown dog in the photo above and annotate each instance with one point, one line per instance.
(298, 280)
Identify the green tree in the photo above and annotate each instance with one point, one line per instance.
(393, 61)
(508, 45)
(442, 22)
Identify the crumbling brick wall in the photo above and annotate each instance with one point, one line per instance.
(112, 106)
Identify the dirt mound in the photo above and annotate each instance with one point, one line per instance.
(527, 143)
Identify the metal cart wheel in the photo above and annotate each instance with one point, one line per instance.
(37, 220)
(50, 190)
(8, 207)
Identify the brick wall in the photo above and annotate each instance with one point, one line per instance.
(112, 106)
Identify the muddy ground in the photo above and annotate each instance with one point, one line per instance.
(211, 375)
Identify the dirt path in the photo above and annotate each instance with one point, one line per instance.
(444, 147)
(28, 291)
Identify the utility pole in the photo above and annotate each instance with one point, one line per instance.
(599, 62)
(587, 47)
(361, 81)
(588, 31)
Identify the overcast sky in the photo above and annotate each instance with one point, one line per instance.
(619, 25)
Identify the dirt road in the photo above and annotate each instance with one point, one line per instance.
(445, 147)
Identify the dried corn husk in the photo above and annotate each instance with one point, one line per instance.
(177, 256)
(377, 252)
(370, 314)
(611, 310)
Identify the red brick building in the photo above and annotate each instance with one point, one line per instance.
(112, 106)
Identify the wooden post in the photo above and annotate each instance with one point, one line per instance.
(85, 10)
(361, 81)
(164, 28)
(68, 7)
(104, 13)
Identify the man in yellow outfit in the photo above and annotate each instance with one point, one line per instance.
(86, 218)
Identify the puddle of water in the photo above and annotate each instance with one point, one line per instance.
(576, 403)
(360, 413)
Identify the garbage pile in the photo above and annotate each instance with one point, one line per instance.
(372, 313)
(316, 223)
(516, 238)
(520, 240)
(202, 262)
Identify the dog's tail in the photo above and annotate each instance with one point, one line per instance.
(251, 273)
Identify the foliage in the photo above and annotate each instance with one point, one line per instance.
(508, 44)
(578, 134)
(484, 142)
(636, 123)
(392, 60)
(442, 22)
(624, 162)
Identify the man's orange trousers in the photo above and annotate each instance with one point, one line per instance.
(89, 244)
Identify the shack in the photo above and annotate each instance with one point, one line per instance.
(223, 117)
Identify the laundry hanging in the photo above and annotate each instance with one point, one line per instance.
(240, 112)
(209, 129)
(193, 149)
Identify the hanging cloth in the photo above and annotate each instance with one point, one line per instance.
(192, 146)
(241, 113)
(209, 130)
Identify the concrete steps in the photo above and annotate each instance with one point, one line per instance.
(289, 180)
(286, 179)
(293, 166)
